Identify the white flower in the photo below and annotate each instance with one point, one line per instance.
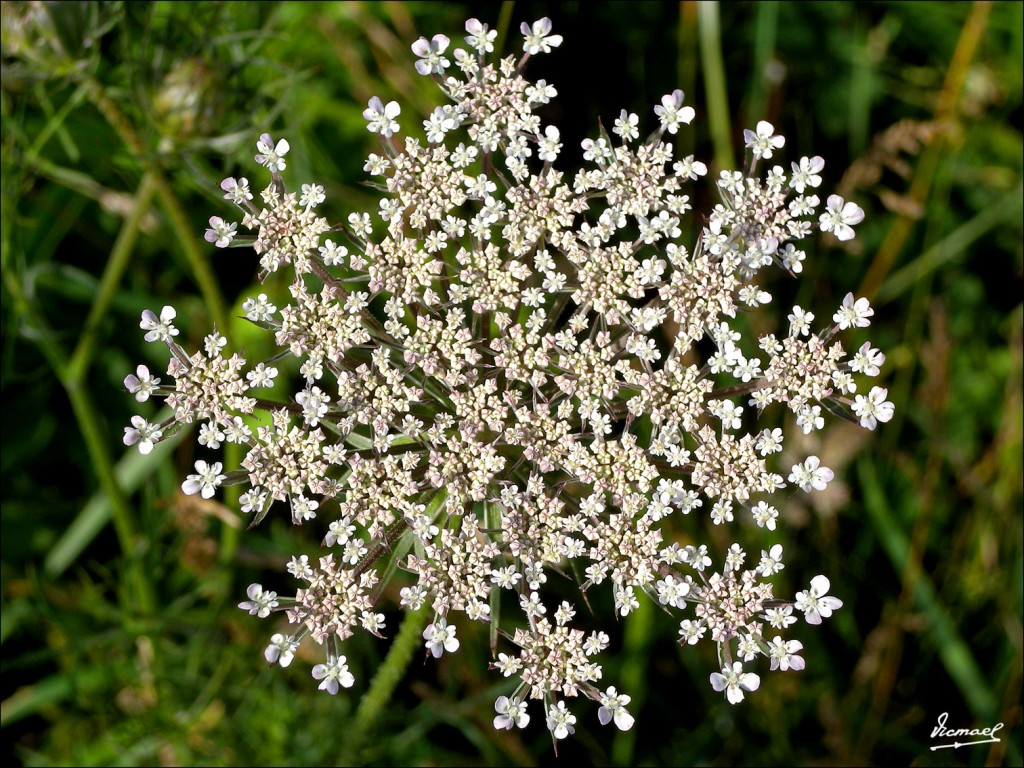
(873, 408)
(271, 155)
(549, 145)
(764, 141)
(734, 681)
(381, 118)
(867, 360)
(220, 233)
(429, 51)
(671, 112)
(260, 603)
(811, 475)
(141, 384)
(815, 602)
(480, 37)
(771, 561)
(312, 196)
(315, 403)
(560, 720)
(281, 650)
(332, 674)
(440, 637)
(626, 125)
(538, 37)
(143, 433)
(783, 654)
(806, 173)
(840, 217)
(613, 707)
(511, 713)
(159, 329)
(508, 665)
(258, 310)
(206, 481)
(853, 314)
(236, 190)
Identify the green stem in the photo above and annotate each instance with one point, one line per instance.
(389, 675)
(82, 357)
(714, 83)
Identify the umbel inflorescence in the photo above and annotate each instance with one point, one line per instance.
(510, 376)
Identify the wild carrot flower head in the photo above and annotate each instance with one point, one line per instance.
(509, 372)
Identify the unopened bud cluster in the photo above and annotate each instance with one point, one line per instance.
(508, 373)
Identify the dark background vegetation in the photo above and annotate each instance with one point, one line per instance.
(121, 643)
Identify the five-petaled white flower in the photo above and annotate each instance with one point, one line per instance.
(816, 603)
(671, 111)
(158, 328)
(281, 649)
(440, 637)
(236, 190)
(538, 38)
(764, 141)
(332, 674)
(840, 217)
(429, 51)
(853, 313)
(560, 720)
(734, 681)
(480, 37)
(811, 475)
(260, 603)
(143, 433)
(141, 385)
(873, 408)
(272, 155)
(381, 117)
(206, 481)
(783, 654)
(221, 232)
(511, 713)
(613, 707)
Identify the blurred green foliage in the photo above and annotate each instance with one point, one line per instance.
(121, 642)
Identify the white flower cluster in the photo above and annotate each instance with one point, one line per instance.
(507, 373)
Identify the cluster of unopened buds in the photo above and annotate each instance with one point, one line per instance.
(506, 374)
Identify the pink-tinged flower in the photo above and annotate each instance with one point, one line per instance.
(538, 37)
(783, 654)
(380, 117)
(440, 637)
(260, 603)
(853, 314)
(220, 233)
(671, 111)
(764, 141)
(613, 707)
(429, 51)
(840, 217)
(271, 155)
(143, 433)
(142, 385)
(815, 602)
(158, 328)
(873, 408)
(811, 475)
